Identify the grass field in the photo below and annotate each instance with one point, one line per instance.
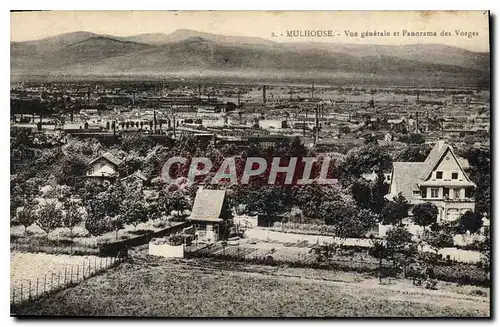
(196, 288)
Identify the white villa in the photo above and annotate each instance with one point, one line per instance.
(440, 179)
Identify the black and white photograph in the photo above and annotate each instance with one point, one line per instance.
(250, 164)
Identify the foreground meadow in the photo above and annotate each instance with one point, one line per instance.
(195, 288)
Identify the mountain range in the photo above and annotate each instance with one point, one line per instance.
(192, 53)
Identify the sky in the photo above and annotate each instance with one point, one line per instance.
(37, 25)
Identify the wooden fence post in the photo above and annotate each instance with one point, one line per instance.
(58, 279)
(64, 275)
(71, 275)
(21, 291)
(29, 289)
(36, 295)
(44, 283)
(51, 280)
(83, 270)
(77, 273)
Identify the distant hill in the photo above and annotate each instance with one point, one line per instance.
(200, 54)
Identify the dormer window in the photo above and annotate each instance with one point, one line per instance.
(439, 175)
(454, 175)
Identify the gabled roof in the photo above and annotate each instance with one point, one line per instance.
(405, 178)
(137, 174)
(109, 157)
(208, 205)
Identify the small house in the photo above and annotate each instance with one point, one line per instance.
(209, 210)
(104, 167)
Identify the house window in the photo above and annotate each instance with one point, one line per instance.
(456, 193)
(416, 193)
(439, 175)
(454, 175)
(434, 192)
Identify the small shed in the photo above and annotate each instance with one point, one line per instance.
(208, 212)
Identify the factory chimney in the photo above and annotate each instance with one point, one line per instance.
(264, 95)
(416, 122)
(316, 129)
(238, 98)
(199, 91)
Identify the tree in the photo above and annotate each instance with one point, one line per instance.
(26, 216)
(393, 212)
(380, 251)
(413, 138)
(414, 153)
(72, 217)
(367, 159)
(49, 217)
(135, 213)
(470, 221)
(114, 224)
(425, 214)
(178, 201)
(403, 249)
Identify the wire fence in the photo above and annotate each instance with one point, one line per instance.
(32, 289)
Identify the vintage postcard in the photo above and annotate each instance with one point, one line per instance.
(250, 164)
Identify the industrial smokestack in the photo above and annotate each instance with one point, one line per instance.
(199, 91)
(238, 98)
(264, 95)
(416, 122)
(316, 134)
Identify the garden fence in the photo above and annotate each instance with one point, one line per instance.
(32, 289)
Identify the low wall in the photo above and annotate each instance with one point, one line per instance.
(263, 234)
(166, 250)
(267, 235)
(121, 247)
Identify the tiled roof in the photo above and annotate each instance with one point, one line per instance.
(208, 205)
(108, 156)
(406, 176)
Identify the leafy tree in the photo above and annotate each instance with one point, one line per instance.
(178, 201)
(413, 138)
(49, 217)
(135, 213)
(425, 214)
(96, 222)
(480, 174)
(366, 159)
(381, 251)
(413, 153)
(393, 212)
(470, 221)
(26, 216)
(72, 217)
(403, 249)
(114, 224)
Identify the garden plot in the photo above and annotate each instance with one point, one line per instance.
(32, 274)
